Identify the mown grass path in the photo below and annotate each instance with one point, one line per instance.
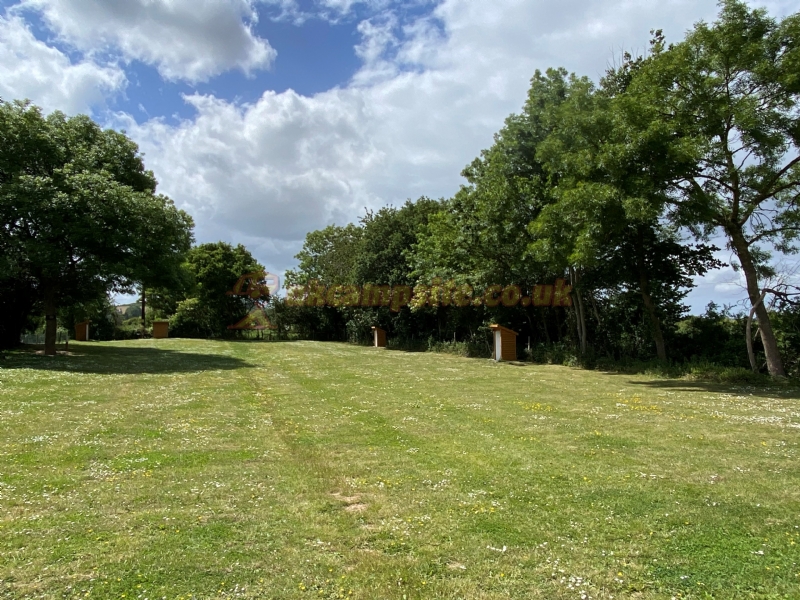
(193, 469)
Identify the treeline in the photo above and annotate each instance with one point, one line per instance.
(616, 188)
(80, 220)
(197, 302)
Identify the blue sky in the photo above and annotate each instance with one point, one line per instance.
(311, 58)
(267, 119)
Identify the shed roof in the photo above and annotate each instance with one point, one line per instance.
(501, 328)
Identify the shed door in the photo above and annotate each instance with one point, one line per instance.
(498, 346)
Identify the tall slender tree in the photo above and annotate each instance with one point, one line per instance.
(716, 119)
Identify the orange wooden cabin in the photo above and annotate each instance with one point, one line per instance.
(379, 337)
(505, 343)
(160, 330)
(82, 331)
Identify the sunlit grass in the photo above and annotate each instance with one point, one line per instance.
(192, 469)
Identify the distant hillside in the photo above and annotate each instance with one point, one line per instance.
(129, 311)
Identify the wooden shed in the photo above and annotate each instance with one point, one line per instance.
(160, 330)
(505, 343)
(82, 331)
(379, 337)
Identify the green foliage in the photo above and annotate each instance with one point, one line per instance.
(469, 349)
(78, 211)
(99, 311)
(135, 310)
(376, 251)
(713, 123)
(191, 319)
(211, 271)
(388, 237)
(604, 185)
(551, 354)
(328, 256)
(727, 331)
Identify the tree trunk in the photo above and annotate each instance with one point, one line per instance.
(655, 322)
(579, 312)
(144, 313)
(647, 299)
(542, 311)
(51, 324)
(750, 353)
(740, 246)
(594, 308)
(582, 317)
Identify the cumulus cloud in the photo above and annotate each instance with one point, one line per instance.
(32, 69)
(184, 39)
(430, 95)
(431, 92)
(271, 171)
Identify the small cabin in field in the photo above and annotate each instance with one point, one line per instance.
(505, 343)
(82, 331)
(160, 330)
(379, 337)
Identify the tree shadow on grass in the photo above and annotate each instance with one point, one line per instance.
(784, 389)
(762, 388)
(119, 360)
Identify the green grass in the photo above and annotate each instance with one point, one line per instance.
(192, 469)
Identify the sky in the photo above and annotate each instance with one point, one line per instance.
(268, 119)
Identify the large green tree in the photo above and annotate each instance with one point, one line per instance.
(211, 272)
(715, 119)
(386, 242)
(78, 210)
(329, 256)
(602, 218)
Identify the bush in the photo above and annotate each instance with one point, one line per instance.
(407, 345)
(723, 374)
(191, 320)
(552, 354)
(716, 337)
(470, 349)
(359, 327)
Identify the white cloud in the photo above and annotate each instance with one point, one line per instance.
(185, 39)
(32, 69)
(272, 171)
(375, 50)
(430, 96)
(343, 7)
(333, 11)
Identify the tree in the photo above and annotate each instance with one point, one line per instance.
(374, 252)
(208, 308)
(328, 256)
(715, 119)
(78, 211)
(481, 236)
(601, 222)
(384, 258)
(387, 239)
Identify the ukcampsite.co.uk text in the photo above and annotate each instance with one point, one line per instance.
(439, 293)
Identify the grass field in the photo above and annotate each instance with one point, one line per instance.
(193, 469)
